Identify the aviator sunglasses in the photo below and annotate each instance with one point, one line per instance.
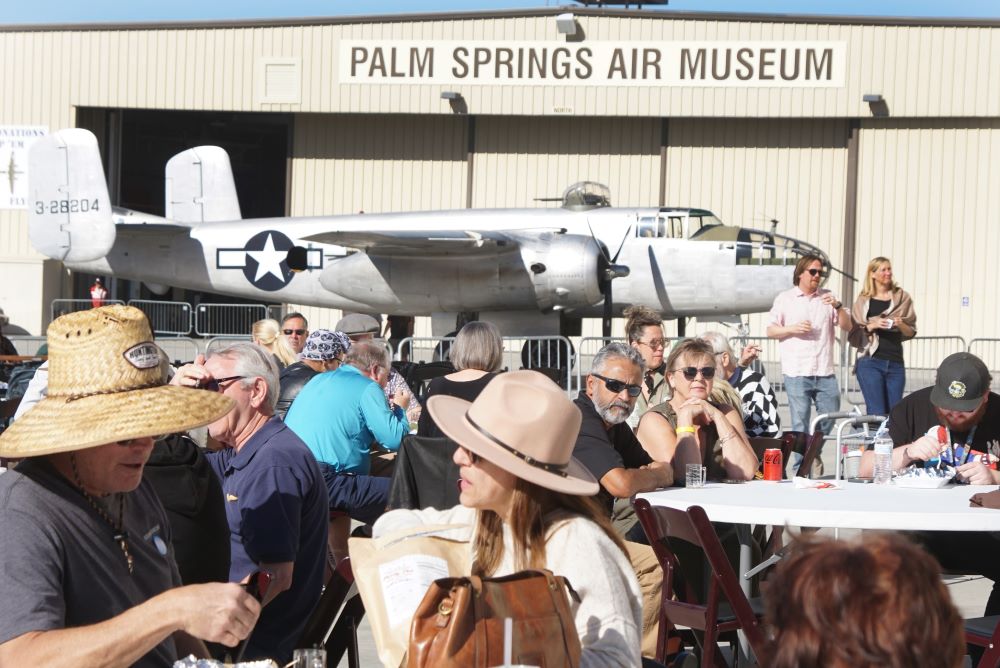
(215, 385)
(691, 372)
(296, 332)
(617, 386)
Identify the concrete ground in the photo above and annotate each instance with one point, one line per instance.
(968, 593)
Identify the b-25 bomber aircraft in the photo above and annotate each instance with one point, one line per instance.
(585, 258)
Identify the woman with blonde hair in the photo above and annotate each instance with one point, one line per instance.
(528, 503)
(265, 333)
(691, 429)
(883, 318)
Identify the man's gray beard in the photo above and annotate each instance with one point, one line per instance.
(608, 414)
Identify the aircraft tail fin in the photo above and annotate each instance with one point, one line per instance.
(69, 215)
(200, 187)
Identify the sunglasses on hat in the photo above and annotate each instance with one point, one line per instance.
(617, 386)
(691, 372)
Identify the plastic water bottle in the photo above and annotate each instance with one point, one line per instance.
(883, 461)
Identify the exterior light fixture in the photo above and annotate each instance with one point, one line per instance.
(566, 24)
(871, 98)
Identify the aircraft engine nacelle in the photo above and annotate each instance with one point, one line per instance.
(565, 270)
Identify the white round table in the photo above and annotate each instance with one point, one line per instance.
(855, 506)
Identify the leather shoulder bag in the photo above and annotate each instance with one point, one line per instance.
(460, 622)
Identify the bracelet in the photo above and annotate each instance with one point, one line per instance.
(727, 437)
(687, 430)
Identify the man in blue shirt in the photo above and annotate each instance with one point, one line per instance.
(276, 503)
(340, 415)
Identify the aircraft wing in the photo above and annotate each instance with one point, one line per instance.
(408, 242)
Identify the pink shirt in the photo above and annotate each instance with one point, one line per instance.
(805, 354)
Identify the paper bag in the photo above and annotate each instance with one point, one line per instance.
(393, 573)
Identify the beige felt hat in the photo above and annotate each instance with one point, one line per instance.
(106, 384)
(523, 423)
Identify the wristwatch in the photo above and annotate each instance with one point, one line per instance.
(838, 306)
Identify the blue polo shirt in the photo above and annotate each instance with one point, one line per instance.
(340, 414)
(277, 510)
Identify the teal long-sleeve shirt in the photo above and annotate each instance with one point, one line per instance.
(340, 414)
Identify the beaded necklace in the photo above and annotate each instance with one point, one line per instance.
(120, 536)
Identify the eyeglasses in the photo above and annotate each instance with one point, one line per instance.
(617, 386)
(815, 272)
(655, 344)
(691, 372)
(296, 332)
(215, 385)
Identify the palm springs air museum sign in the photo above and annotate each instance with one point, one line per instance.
(769, 64)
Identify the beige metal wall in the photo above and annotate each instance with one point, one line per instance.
(929, 200)
(345, 163)
(922, 70)
(751, 171)
(519, 159)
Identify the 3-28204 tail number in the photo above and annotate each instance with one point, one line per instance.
(67, 206)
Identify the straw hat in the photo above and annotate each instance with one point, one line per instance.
(523, 423)
(106, 384)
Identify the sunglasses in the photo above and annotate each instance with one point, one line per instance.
(655, 344)
(691, 372)
(617, 386)
(296, 332)
(815, 272)
(215, 385)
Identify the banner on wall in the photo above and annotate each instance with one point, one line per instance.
(730, 64)
(15, 140)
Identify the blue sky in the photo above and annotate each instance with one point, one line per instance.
(76, 11)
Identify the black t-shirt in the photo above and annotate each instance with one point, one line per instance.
(601, 450)
(914, 415)
(467, 389)
(890, 341)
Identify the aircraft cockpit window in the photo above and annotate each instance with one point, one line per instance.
(586, 195)
(649, 228)
(701, 223)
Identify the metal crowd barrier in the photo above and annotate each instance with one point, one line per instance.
(227, 319)
(169, 318)
(551, 355)
(26, 345)
(988, 350)
(60, 307)
(179, 349)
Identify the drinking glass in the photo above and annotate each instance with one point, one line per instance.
(694, 475)
(309, 658)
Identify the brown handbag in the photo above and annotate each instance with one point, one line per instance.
(460, 622)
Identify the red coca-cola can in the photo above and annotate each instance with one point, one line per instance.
(773, 464)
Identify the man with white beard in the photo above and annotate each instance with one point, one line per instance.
(608, 447)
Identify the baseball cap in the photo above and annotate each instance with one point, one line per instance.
(962, 380)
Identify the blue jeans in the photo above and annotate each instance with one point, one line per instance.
(881, 384)
(363, 497)
(803, 392)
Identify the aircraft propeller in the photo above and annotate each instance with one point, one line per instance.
(607, 273)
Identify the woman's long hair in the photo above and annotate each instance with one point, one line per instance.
(876, 263)
(530, 513)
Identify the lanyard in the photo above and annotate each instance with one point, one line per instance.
(963, 453)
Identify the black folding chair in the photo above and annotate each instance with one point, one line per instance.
(333, 625)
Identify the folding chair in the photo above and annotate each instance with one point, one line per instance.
(985, 632)
(334, 623)
(810, 451)
(724, 608)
